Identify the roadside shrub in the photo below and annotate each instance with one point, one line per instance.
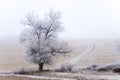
(66, 68)
(92, 67)
(108, 67)
(20, 71)
(116, 70)
(101, 69)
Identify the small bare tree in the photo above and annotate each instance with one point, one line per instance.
(40, 38)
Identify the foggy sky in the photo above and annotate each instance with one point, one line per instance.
(81, 18)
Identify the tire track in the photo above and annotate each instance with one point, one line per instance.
(68, 66)
(84, 54)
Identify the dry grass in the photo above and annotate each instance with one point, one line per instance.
(16, 77)
(51, 77)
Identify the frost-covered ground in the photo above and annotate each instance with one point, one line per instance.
(104, 52)
(59, 76)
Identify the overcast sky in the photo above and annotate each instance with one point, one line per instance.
(81, 18)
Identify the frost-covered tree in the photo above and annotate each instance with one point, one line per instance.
(40, 38)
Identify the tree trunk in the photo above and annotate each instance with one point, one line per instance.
(41, 67)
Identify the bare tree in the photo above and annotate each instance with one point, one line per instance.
(40, 38)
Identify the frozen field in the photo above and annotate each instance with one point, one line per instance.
(12, 54)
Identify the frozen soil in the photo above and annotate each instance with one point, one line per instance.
(55, 75)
